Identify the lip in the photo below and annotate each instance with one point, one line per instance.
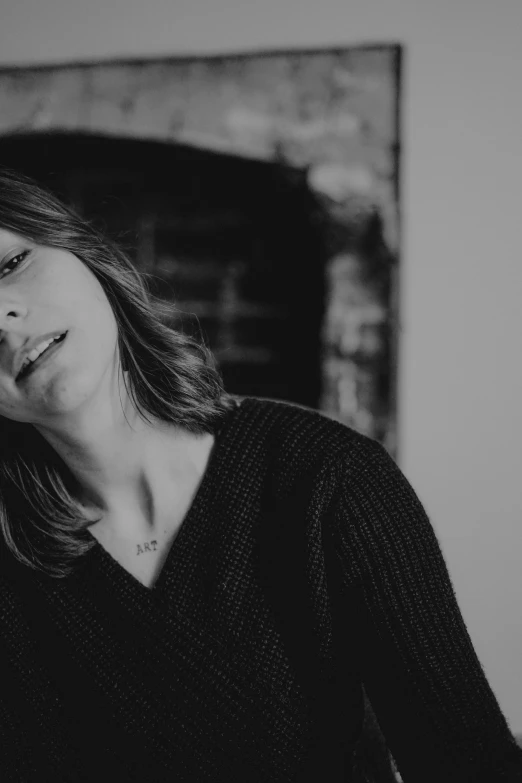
(30, 344)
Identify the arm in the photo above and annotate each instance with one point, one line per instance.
(426, 685)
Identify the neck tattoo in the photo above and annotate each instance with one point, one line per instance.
(149, 546)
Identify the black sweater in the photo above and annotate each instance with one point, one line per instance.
(305, 569)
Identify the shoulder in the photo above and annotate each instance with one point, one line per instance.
(295, 439)
(291, 422)
(298, 444)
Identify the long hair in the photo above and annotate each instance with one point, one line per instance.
(169, 375)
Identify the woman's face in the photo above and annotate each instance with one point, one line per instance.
(45, 291)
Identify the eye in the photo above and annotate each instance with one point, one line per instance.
(16, 260)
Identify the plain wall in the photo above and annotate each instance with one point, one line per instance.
(460, 369)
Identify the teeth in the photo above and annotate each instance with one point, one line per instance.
(35, 353)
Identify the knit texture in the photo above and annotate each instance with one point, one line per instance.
(196, 679)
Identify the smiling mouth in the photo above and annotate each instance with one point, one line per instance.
(51, 348)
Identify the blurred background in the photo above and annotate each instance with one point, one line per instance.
(329, 194)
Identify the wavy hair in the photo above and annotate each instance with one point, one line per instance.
(169, 375)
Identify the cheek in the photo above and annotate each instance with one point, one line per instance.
(89, 355)
(86, 311)
(91, 351)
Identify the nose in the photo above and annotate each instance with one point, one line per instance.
(11, 313)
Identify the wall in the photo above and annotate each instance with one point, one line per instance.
(460, 375)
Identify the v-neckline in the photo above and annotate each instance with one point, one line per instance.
(118, 572)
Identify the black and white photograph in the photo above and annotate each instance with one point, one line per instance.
(260, 430)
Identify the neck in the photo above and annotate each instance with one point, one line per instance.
(129, 471)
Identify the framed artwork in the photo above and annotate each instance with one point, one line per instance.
(259, 193)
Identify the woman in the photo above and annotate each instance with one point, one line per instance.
(196, 587)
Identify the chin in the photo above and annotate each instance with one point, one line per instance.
(63, 391)
(85, 388)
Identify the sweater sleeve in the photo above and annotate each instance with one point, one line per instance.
(426, 685)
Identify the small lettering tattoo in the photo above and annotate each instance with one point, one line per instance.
(146, 547)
